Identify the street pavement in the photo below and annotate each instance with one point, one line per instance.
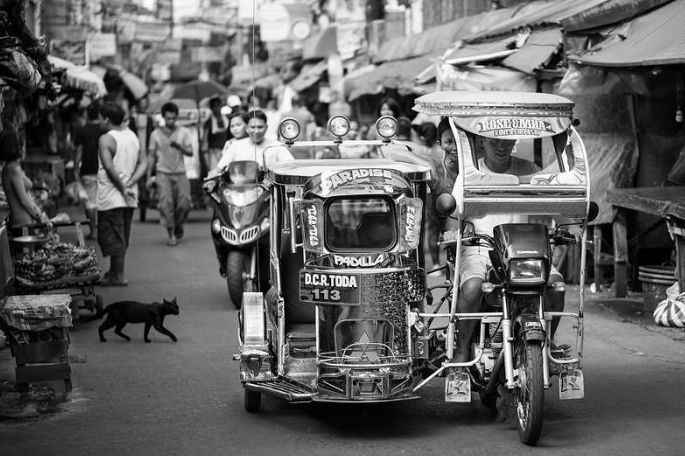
(185, 398)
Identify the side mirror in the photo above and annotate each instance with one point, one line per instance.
(445, 204)
(593, 212)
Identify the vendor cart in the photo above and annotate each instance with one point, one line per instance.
(44, 266)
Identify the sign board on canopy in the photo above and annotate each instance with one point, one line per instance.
(102, 45)
(203, 54)
(72, 51)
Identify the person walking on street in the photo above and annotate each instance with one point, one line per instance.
(168, 145)
(121, 166)
(86, 140)
(214, 134)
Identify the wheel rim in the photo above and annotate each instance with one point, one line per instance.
(522, 393)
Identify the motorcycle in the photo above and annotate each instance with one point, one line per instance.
(349, 318)
(240, 227)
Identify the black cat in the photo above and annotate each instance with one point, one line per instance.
(123, 312)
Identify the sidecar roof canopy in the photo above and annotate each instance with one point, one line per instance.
(299, 172)
(507, 115)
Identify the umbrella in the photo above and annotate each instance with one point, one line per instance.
(197, 90)
(134, 84)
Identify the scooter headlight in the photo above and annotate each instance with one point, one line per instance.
(527, 272)
(216, 226)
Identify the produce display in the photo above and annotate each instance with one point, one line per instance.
(57, 261)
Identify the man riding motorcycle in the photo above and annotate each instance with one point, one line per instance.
(475, 261)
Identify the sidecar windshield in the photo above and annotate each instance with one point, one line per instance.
(356, 223)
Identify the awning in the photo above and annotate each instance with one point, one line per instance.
(609, 12)
(310, 75)
(399, 75)
(320, 45)
(134, 84)
(79, 77)
(442, 36)
(483, 78)
(537, 14)
(655, 38)
(535, 51)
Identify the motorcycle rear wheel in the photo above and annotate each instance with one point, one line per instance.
(530, 395)
(236, 263)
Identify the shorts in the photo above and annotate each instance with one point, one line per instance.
(114, 230)
(90, 185)
(475, 262)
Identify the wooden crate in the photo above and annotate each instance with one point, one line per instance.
(43, 361)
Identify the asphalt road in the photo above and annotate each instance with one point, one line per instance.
(185, 398)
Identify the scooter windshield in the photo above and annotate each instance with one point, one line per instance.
(240, 196)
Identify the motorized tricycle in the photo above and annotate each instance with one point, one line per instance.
(240, 227)
(346, 319)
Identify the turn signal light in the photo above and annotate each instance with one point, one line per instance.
(559, 286)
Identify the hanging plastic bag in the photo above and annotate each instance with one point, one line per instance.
(671, 311)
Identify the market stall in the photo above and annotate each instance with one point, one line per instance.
(666, 202)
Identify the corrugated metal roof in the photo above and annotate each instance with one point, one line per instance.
(444, 36)
(610, 12)
(655, 38)
(536, 14)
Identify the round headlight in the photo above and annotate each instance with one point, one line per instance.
(216, 225)
(289, 129)
(386, 127)
(339, 126)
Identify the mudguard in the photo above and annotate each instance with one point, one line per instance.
(529, 328)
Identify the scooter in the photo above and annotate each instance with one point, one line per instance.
(240, 227)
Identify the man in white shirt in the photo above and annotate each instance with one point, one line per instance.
(256, 146)
(475, 261)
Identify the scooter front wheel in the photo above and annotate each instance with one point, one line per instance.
(530, 394)
(236, 262)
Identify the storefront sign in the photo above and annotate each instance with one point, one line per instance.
(102, 45)
(202, 54)
(72, 51)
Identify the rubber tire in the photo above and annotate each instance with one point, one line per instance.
(529, 432)
(253, 401)
(489, 401)
(235, 267)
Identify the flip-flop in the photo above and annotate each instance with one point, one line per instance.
(109, 282)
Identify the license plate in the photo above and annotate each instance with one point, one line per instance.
(329, 288)
(571, 385)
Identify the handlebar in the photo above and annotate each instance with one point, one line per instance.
(483, 240)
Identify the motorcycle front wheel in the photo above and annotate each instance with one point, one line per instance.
(530, 394)
(236, 264)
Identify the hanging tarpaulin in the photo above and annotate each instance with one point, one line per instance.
(79, 77)
(450, 77)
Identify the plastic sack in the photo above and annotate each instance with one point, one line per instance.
(671, 311)
(76, 193)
